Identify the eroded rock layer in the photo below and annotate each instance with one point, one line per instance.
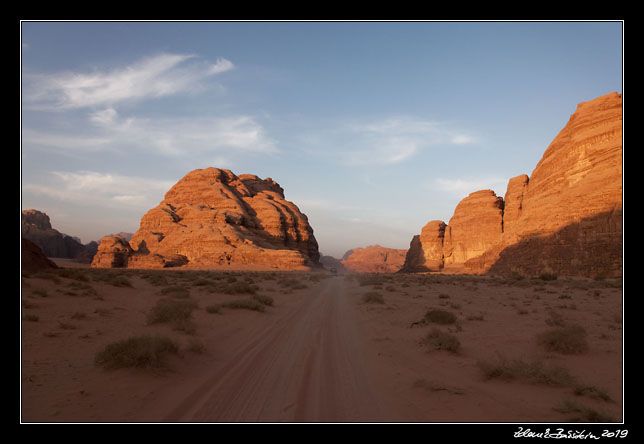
(212, 218)
(565, 218)
(374, 259)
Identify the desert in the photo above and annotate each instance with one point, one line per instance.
(324, 223)
(315, 347)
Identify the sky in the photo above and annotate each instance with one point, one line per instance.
(372, 128)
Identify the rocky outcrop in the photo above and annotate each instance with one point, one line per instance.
(426, 250)
(33, 259)
(565, 218)
(36, 227)
(214, 218)
(374, 259)
(476, 224)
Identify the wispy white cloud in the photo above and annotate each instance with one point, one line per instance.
(396, 139)
(462, 187)
(169, 136)
(96, 189)
(156, 76)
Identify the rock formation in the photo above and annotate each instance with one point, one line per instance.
(36, 226)
(213, 218)
(374, 259)
(33, 258)
(566, 218)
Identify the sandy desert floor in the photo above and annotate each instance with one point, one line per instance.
(313, 347)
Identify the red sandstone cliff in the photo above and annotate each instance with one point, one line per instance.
(565, 218)
(374, 259)
(212, 217)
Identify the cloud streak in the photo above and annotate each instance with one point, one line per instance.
(152, 77)
(93, 189)
(395, 140)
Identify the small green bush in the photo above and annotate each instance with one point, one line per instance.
(137, 352)
(438, 316)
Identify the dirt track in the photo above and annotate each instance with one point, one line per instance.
(306, 365)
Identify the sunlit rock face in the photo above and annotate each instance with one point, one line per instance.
(565, 218)
(214, 218)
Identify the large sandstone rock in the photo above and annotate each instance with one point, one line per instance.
(426, 250)
(565, 218)
(476, 224)
(374, 259)
(36, 227)
(213, 218)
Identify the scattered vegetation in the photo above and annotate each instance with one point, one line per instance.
(569, 339)
(31, 318)
(136, 352)
(176, 291)
(373, 297)
(534, 372)
(177, 311)
(592, 392)
(580, 413)
(266, 300)
(440, 340)
(244, 304)
(548, 276)
(438, 316)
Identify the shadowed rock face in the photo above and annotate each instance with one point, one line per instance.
(33, 258)
(212, 217)
(565, 218)
(36, 227)
(374, 259)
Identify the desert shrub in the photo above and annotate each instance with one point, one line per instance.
(84, 288)
(443, 296)
(79, 315)
(266, 300)
(176, 291)
(239, 288)
(534, 372)
(40, 292)
(438, 316)
(245, 304)
(73, 273)
(155, 277)
(373, 297)
(291, 283)
(548, 276)
(196, 346)
(580, 413)
(111, 277)
(31, 318)
(138, 352)
(370, 279)
(171, 310)
(216, 308)
(569, 339)
(591, 392)
(440, 340)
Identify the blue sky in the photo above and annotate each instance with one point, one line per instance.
(371, 128)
